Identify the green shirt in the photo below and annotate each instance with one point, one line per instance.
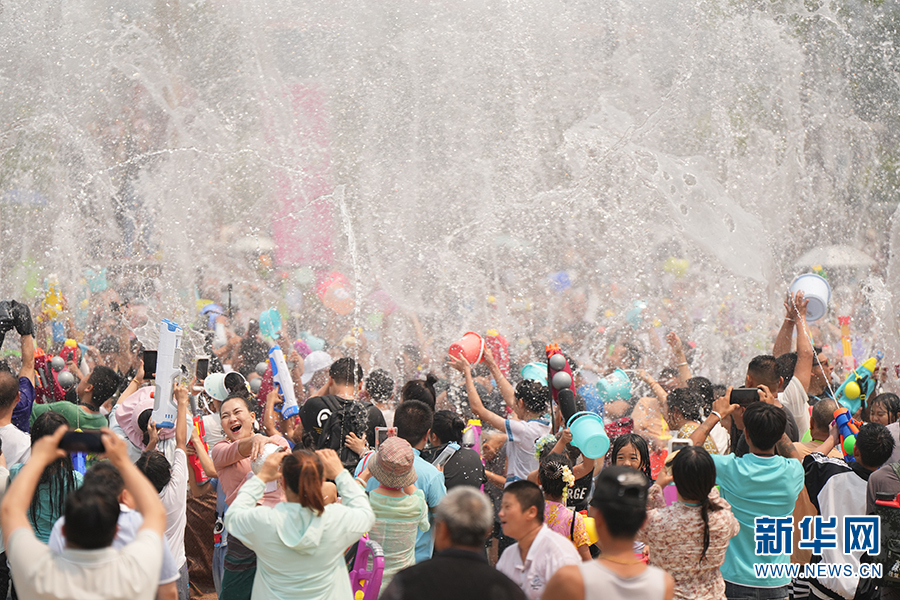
(77, 416)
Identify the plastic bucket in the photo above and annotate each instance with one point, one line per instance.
(214, 386)
(270, 323)
(615, 386)
(589, 434)
(536, 371)
(815, 288)
(471, 346)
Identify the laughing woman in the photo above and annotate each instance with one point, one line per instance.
(232, 457)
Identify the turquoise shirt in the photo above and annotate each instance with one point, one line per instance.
(756, 486)
(46, 517)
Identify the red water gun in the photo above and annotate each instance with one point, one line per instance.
(562, 384)
(199, 474)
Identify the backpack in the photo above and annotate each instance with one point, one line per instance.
(346, 416)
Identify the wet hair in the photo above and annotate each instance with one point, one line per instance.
(694, 473)
(346, 371)
(785, 365)
(764, 424)
(143, 423)
(640, 444)
(875, 444)
(105, 382)
(686, 402)
(763, 370)
(889, 401)
(379, 385)
(448, 426)
(105, 476)
(668, 373)
(468, 515)
(823, 414)
(704, 390)
(303, 474)
(92, 516)
(535, 396)
(413, 419)
(58, 478)
(155, 467)
(527, 495)
(550, 474)
(415, 389)
(9, 389)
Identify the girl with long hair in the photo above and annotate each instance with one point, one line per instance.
(689, 538)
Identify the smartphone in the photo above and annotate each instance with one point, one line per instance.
(81, 441)
(149, 364)
(676, 444)
(744, 396)
(383, 433)
(202, 368)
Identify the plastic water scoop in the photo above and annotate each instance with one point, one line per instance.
(366, 582)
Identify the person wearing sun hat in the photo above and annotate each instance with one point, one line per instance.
(400, 508)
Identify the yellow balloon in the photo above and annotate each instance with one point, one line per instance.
(851, 390)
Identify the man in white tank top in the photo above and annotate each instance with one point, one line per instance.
(619, 508)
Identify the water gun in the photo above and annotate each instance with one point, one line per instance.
(281, 376)
(562, 384)
(859, 385)
(168, 367)
(199, 474)
(848, 428)
(472, 435)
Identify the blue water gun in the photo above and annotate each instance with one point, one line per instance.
(848, 428)
(859, 385)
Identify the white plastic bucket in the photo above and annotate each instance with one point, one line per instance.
(815, 289)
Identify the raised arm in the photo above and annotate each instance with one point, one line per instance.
(803, 370)
(721, 410)
(183, 398)
(783, 339)
(494, 420)
(269, 413)
(684, 371)
(27, 369)
(506, 388)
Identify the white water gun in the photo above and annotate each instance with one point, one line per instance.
(281, 376)
(168, 367)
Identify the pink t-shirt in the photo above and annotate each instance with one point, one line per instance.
(234, 469)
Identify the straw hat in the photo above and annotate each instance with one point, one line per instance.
(393, 464)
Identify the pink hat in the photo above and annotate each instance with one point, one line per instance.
(129, 409)
(393, 464)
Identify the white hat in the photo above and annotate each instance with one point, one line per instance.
(316, 361)
(214, 385)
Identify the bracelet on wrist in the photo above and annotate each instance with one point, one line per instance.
(717, 413)
(681, 364)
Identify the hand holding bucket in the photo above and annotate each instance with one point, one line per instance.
(471, 347)
(817, 292)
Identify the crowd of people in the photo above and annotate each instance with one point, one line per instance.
(407, 481)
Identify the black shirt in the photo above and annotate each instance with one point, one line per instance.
(453, 574)
(463, 468)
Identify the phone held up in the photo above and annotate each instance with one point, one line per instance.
(744, 396)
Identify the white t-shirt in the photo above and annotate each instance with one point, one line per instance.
(131, 573)
(796, 401)
(520, 452)
(174, 499)
(16, 444)
(129, 523)
(548, 553)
